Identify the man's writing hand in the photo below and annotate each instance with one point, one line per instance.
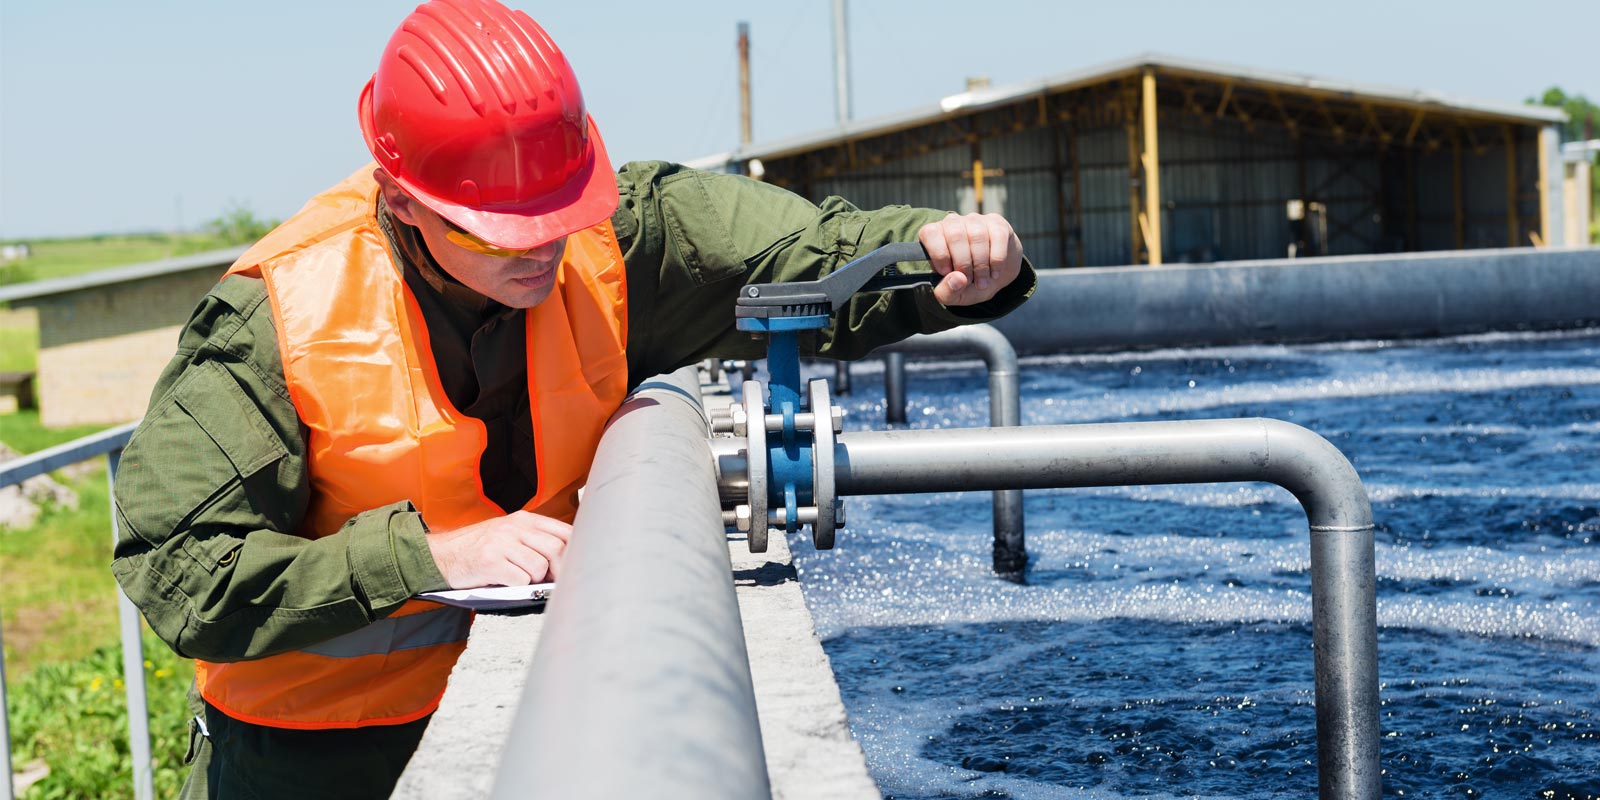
(978, 255)
(514, 550)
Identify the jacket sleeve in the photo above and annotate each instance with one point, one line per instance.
(693, 239)
(212, 489)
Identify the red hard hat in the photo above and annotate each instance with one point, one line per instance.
(475, 112)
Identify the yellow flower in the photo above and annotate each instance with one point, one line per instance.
(118, 683)
(94, 685)
(147, 664)
(163, 672)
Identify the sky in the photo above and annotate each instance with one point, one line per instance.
(158, 115)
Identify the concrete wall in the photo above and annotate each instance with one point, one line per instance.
(102, 347)
(1351, 297)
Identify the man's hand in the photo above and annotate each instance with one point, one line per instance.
(978, 255)
(514, 550)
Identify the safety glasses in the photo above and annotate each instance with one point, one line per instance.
(473, 244)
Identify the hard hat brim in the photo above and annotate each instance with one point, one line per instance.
(586, 200)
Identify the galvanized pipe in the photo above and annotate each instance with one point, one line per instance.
(5, 729)
(640, 686)
(1005, 410)
(894, 388)
(1343, 580)
(132, 665)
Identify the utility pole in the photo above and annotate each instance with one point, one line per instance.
(841, 61)
(744, 84)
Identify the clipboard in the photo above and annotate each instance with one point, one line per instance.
(493, 598)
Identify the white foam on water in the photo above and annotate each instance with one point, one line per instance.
(914, 575)
(1125, 403)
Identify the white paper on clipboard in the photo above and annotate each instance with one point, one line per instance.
(493, 598)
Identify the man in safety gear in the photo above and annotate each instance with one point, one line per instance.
(401, 388)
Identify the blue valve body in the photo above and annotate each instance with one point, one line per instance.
(789, 454)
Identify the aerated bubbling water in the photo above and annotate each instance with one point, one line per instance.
(1162, 647)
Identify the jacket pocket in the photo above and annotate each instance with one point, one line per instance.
(191, 455)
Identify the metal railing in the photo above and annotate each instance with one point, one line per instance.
(640, 686)
(108, 443)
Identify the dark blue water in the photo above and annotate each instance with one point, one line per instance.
(1162, 645)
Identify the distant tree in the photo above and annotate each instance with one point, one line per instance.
(1583, 117)
(239, 225)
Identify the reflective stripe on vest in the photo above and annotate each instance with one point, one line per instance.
(393, 634)
(381, 430)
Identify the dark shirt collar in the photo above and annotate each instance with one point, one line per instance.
(412, 250)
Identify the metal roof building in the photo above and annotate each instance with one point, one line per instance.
(1156, 159)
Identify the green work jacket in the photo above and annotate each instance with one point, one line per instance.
(213, 485)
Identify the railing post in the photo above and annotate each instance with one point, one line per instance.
(132, 664)
(5, 725)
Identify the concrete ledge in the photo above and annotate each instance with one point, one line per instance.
(810, 753)
(1313, 299)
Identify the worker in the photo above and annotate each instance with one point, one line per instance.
(401, 388)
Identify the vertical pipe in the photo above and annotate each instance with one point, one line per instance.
(132, 665)
(1345, 644)
(1005, 411)
(1513, 224)
(841, 61)
(841, 378)
(744, 84)
(894, 388)
(1151, 160)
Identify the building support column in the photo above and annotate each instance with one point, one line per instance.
(1547, 221)
(1151, 161)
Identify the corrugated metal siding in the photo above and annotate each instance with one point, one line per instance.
(1484, 178)
(1225, 189)
(1103, 159)
(1225, 186)
(1436, 201)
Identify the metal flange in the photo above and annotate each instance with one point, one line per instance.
(756, 461)
(822, 493)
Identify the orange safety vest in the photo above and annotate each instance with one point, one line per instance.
(362, 377)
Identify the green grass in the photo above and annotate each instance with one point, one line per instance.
(22, 432)
(19, 341)
(58, 258)
(73, 715)
(57, 597)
